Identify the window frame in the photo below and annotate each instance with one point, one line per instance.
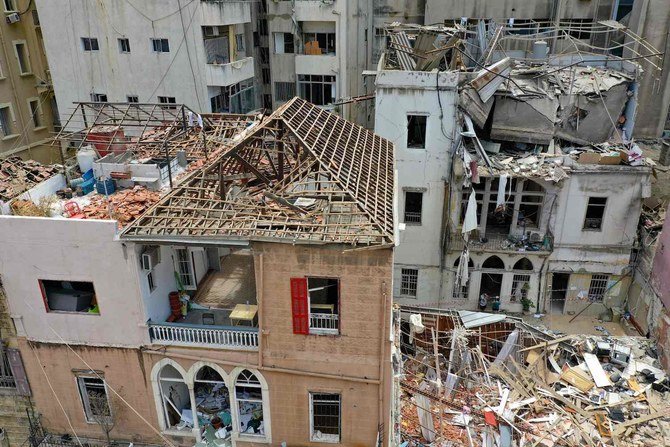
(97, 97)
(133, 99)
(26, 54)
(11, 121)
(413, 213)
(329, 439)
(405, 290)
(163, 45)
(13, 3)
(36, 116)
(191, 267)
(307, 81)
(425, 130)
(598, 281)
(602, 217)
(124, 45)
(288, 93)
(325, 331)
(90, 42)
(260, 386)
(520, 278)
(84, 396)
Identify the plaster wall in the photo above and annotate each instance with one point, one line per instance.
(439, 10)
(36, 248)
(399, 94)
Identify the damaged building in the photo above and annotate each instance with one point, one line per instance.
(250, 304)
(518, 177)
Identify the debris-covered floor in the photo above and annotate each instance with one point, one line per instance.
(503, 383)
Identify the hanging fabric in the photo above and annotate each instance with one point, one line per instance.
(502, 186)
(470, 221)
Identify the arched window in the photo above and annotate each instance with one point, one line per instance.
(212, 397)
(458, 261)
(523, 264)
(175, 398)
(494, 262)
(249, 396)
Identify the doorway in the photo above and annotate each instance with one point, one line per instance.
(559, 290)
(490, 284)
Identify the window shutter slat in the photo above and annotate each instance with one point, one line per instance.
(19, 373)
(299, 306)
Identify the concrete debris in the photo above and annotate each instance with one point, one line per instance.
(17, 176)
(520, 385)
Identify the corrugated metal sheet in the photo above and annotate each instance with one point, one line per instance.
(476, 319)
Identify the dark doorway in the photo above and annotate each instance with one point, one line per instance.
(490, 284)
(559, 290)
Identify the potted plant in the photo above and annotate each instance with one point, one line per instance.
(526, 303)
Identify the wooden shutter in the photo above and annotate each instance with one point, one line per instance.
(19, 373)
(299, 306)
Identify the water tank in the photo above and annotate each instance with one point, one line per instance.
(85, 158)
(540, 50)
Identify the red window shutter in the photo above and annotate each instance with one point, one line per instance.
(299, 306)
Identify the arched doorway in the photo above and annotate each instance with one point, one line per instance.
(492, 276)
(249, 396)
(521, 280)
(175, 398)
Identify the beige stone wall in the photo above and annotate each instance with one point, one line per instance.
(16, 88)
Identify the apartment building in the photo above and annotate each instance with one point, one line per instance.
(257, 291)
(513, 181)
(195, 53)
(27, 104)
(646, 18)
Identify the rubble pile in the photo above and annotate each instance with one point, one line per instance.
(125, 206)
(566, 391)
(17, 176)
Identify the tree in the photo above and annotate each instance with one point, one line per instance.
(105, 412)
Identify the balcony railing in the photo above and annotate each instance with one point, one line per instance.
(222, 337)
(502, 243)
(324, 323)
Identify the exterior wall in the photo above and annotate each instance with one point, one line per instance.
(142, 72)
(67, 249)
(399, 94)
(660, 279)
(439, 10)
(26, 140)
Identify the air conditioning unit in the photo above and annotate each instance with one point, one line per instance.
(13, 18)
(150, 258)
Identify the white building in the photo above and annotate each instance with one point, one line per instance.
(157, 51)
(563, 235)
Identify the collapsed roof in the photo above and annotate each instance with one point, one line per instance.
(302, 175)
(18, 176)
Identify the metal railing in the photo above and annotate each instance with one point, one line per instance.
(412, 217)
(223, 337)
(324, 323)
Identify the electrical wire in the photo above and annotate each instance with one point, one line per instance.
(188, 54)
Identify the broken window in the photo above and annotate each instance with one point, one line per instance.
(90, 43)
(325, 423)
(6, 121)
(98, 97)
(284, 43)
(94, 398)
(595, 210)
(35, 113)
(22, 56)
(578, 28)
(319, 43)
(216, 43)
(409, 279)
(212, 397)
(175, 398)
(167, 100)
(598, 287)
(416, 131)
(124, 45)
(249, 394)
(69, 296)
(132, 98)
(317, 89)
(324, 300)
(284, 91)
(413, 205)
(160, 45)
(265, 74)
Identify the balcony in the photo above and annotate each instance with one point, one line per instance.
(220, 337)
(224, 75)
(502, 243)
(323, 323)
